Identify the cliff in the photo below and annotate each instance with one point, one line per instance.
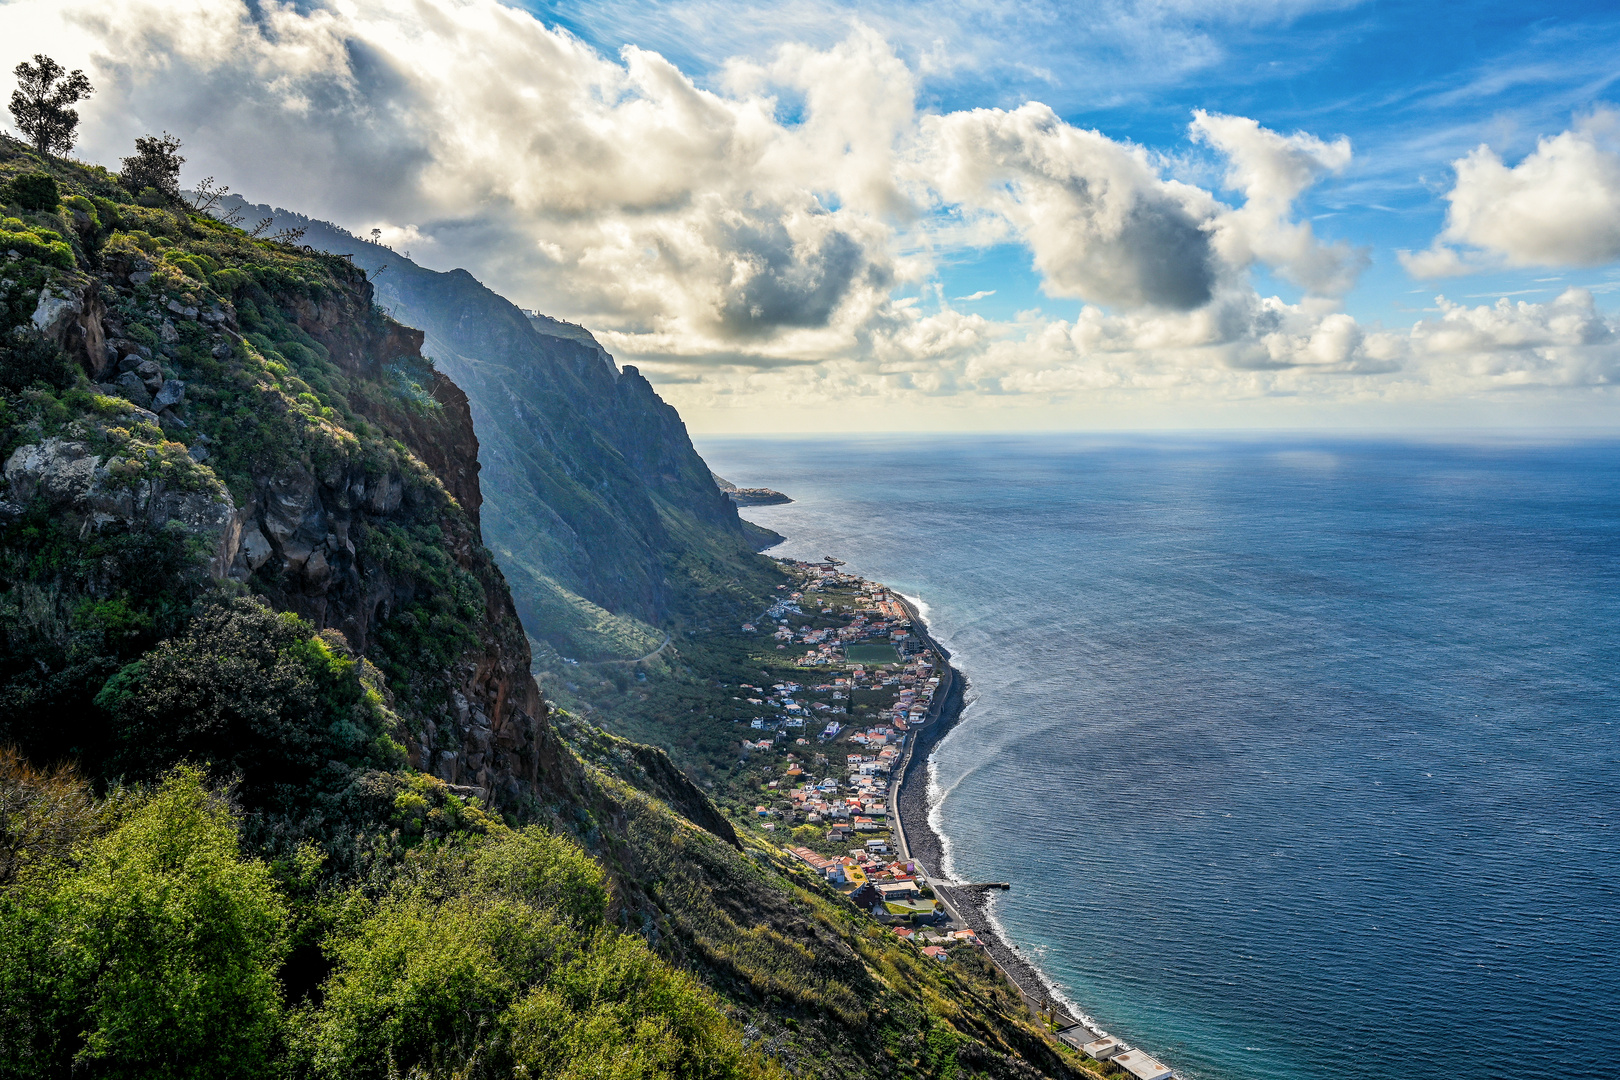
(605, 519)
(191, 413)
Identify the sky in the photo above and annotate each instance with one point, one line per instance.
(954, 215)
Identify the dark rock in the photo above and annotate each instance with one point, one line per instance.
(171, 395)
(132, 387)
(151, 375)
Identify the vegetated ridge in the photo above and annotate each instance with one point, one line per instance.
(285, 798)
(607, 522)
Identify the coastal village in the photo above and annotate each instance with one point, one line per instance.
(802, 735)
(842, 742)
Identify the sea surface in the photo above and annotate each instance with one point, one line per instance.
(1302, 755)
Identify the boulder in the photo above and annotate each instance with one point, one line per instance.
(171, 394)
(150, 374)
(256, 549)
(130, 385)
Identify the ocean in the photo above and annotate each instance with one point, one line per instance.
(1302, 754)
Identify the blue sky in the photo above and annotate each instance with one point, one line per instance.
(1414, 85)
(965, 214)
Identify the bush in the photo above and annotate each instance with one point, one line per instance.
(41, 245)
(156, 957)
(34, 191)
(252, 691)
(620, 1011)
(29, 360)
(493, 963)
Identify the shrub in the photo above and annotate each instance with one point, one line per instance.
(157, 956)
(251, 690)
(493, 963)
(43, 815)
(618, 1010)
(419, 985)
(42, 245)
(546, 871)
(34, 191)
(27, 360)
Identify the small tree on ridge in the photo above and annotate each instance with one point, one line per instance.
(155, 164)
(42, 103)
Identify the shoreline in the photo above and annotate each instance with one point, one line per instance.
(923, 845)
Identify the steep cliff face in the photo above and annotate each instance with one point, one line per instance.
(218, 414)
(604, 518)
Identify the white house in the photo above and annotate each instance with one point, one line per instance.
(1142, 1067)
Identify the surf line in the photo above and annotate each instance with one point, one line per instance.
(968, 904)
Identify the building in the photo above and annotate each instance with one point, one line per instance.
(1103, 1049)
(1142, 1067)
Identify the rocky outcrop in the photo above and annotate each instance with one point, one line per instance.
(93, 492)
(69, 315)
(750, 496)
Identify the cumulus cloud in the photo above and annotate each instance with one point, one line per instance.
(1100, 223)
(1560, 206)
(1272, 171)
(779, 233)
(1565, 343)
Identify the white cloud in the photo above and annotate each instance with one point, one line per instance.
(1506, 345)
(1100, 223)
(1560, 206)
(756, 243)
(1272, 171)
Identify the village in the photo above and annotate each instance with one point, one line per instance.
(841, 742)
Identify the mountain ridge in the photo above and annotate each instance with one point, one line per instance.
(598, 480)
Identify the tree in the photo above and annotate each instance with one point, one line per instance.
(253, 691)
(42, 103)
(155, 164)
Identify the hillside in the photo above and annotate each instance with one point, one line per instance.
(278, 792)
(604, 518)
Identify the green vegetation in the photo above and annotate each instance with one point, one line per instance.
(872, 653)
(258, 694)
(237, 871)
(148, 942)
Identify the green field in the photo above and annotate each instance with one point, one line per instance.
(872, 653)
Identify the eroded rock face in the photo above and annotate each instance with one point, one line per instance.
(69, 315)
(94, 492)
